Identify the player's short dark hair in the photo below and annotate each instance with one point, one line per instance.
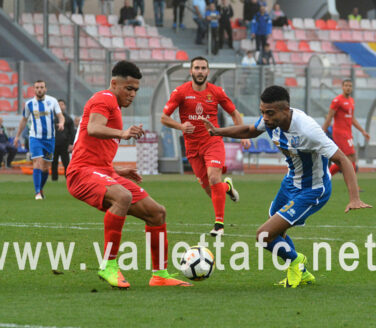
(125, 68)
(199, 58)
(40, 81)
(346, 80)
(275, 93)
(62, 100)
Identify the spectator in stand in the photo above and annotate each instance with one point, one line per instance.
(128, 15)
(266, 56)
(225, 14)
(139, 4)
(261, 28)
(249, 59)
(212, 16)
(278, 16)
(178, 5)
(107, 7)
(355, 15)
(6, 147)
(159, 6)
(78, 4)
(250, 9)
(199, 7)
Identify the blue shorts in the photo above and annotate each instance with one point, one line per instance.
(296, 205)
(42, 148)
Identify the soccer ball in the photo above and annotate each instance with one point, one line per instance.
(197, 263)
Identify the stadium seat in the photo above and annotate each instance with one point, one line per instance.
(5, 106)
(68, 54)
(157, 54)
(92, 30)
(328, 46)
(52, 19)
(289, 35)
(116, 30)
(306, 57)
(342, 24)
(128, 31)
(134, 55)
(277, 34)
(152, 31)
(77, 18)
(276, 58)
(38, 28)
(130, 43)
(58, 52)
(93, 43)
(38, 18)
(117, 43)
(170, 54)
(304, 46)
(97, 54)
(6, 92)
(66, 30)
(4, 79)
(331, 24)
(335, 35)
(357, 36)
(27, 18)
(337, 82)
(120, 55)
(182, 55)
(167, 43)
(346, 36)
(142, 43)
(4, 66)
(252, 150)
(14, 79)
(369, 36)
(321, 24)
(297, 58)
(140, 31)
(15, 106)
(354, 25)
(102, 20)
(29, 28)
(55, 41)
(15, 92)
(291, 82)
(67, 42)
(309, 23)
(145, 54)
(154, 43)
(298, 23)
(83, 42)
(284, 57)
(281, 46)
(64, 20)
(113, 19)
(90, 19)
(84, 54)
(300, 35)
(373, 23)
(105, 41)
(312, 35)
(246, 44)
(104, 31)
(323, 35)
(315, 46)
(264, 146)
(291, 46)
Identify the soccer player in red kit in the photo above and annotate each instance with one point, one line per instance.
(92, 178)
(196, 99)
(342, 110)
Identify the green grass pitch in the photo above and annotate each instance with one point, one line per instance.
(245, 298)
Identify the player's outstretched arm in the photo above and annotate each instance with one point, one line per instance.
(186, 127)
(350, 179)
(328, 120)
(61, 118)
(235, 131)
(359, 127)
(238, 120)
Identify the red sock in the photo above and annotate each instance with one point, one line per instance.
(154, 245)
(334, 168)
(218, 196)
(113, 224)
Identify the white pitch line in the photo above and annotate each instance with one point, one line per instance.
(24, 225)
(14, 325)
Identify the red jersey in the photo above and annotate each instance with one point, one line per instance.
(92, 151)
(195, 104)
(343, 117)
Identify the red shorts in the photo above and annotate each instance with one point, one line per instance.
(344, 142)
(89, 185)
(210, 154)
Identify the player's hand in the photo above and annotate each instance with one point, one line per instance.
(246, 143)
(60, 126)
(15, 141)
(366, 135)
(353, 205)
(209, 126)
(187, 127)
(133, 132)
(129, 173)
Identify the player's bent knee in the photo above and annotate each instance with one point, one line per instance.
(118, 195)
(264, 235)
(158, 217)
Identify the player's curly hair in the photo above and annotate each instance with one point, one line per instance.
(275, 93)
(125, 68)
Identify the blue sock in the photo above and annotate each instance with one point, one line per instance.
(37, 177)
(44, 178)
(282, 252)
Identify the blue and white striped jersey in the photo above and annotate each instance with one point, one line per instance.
(42, 116)
(306, 148)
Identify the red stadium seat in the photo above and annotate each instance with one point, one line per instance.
(304, 46)
(15, 92)
(4, 79)
(104, 30)
(321, 24)
(6, 92)
(4, 66)
(182, 55)
(154, 43)
(300, 35)
(5, 106)
(170, 54)
(346, 36)
(354, 25)
(281, 46)
(357, 36)
(140, 31)
(157, 54)
(331, 24)
(30, 93)
(369, 36)
(297, 58)
(342, 24)
(277, 34)
(130, 43)
(292, 45)
(291, 82)
(102, 20)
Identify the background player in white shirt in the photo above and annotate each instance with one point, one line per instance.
(307, 186)
(41, 110)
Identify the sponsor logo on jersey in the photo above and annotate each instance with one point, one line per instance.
(197, 117)
(295, 141)
(199, 109)
(291, 212)
(190, 97)
(209, 98)
(214, 161)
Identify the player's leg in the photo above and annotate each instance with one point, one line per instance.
(154, 215)
(48, 155)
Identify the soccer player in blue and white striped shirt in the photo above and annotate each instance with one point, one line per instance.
(41, 110)
(306, 187)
